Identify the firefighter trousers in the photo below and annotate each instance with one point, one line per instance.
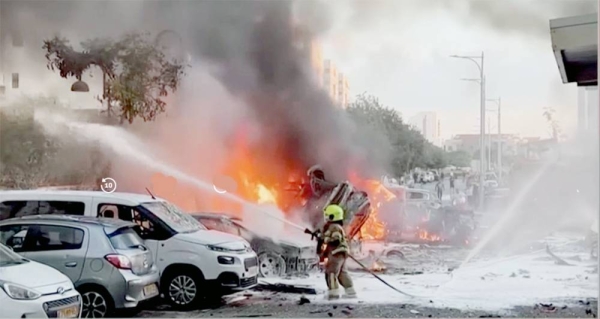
(336, 272)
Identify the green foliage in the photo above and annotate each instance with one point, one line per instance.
(138, 74)
(408, 148)
(459, 158)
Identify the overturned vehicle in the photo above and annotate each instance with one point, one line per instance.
(317, 193)
(283, 257)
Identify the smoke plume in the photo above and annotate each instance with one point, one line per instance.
(250, 80)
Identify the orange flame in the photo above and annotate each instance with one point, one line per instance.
(424, 235)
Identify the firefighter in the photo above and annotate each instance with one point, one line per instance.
(336, 252)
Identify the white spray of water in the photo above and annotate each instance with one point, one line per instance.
(508, 215)
(497, 228)
(129, 146)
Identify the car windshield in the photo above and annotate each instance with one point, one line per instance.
(174, 217)
(9, 257)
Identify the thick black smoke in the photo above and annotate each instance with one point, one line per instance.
(253, 50)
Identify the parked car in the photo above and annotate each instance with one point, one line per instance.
(29, 289)
(105, 258)
(274, 258)
(194, 262)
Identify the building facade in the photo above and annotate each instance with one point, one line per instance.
(343, 91)
(330, 80)
(428, 124)
(311, 51)
(587, 111)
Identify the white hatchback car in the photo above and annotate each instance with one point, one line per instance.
(32, 290)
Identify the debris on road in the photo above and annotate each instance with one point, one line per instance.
(414, 311)
(292, 289)
(548, 308)
(303, 300)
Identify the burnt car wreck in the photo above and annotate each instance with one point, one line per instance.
(275, 258)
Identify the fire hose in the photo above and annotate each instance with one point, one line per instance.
(316, 235)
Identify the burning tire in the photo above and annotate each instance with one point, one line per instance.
(271, 265)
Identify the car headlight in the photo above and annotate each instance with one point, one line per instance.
(232, 247)
(19, 292)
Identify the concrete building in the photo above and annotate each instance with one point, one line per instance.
(587, 110)
(470, 143)
(331, 80)
(343, 91)
(312, 52)
(428, 124)
(575, 47)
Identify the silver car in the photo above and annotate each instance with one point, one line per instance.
(105, 258)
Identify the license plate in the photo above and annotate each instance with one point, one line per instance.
(150, 290)
(253, 271)
(71, 312)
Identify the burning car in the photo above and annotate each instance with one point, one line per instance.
(284, 257)
(420, 216)
(318, 192)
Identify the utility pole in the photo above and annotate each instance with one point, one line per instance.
(489, 146)
(498, 102)
(499, 141)
(481, 124)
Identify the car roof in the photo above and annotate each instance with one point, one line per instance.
(215, 215)
(133, 199)
(72, 219)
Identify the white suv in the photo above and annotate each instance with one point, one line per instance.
(194, 262)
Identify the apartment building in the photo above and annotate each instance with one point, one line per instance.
(343, 91)
(330, 80)
(428, 124)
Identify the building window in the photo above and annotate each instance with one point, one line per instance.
(15, 80)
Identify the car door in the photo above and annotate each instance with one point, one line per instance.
(146, 227)
(58, 246)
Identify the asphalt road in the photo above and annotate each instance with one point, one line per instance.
(291, 309)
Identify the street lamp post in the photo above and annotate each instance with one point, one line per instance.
(498, 102)
(481, 124)
(489, 147)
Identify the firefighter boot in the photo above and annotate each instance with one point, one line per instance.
(333, 291)
(349, 293)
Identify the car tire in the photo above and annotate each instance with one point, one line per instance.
(182, 289)
(271, 265)
(96, 302)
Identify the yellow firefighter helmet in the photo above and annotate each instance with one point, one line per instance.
(333, 213)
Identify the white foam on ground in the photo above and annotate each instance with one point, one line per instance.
(482, 285)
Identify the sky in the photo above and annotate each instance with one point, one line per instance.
(399, 51)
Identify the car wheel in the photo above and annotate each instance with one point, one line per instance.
(182, 289)
(95, 303)
(271, 265)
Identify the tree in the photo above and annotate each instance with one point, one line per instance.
(552, 122)
(408, 148)
(459, 158)
(137, 75)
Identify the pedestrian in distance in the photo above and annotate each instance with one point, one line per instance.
(336, 252)
(439, 188)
